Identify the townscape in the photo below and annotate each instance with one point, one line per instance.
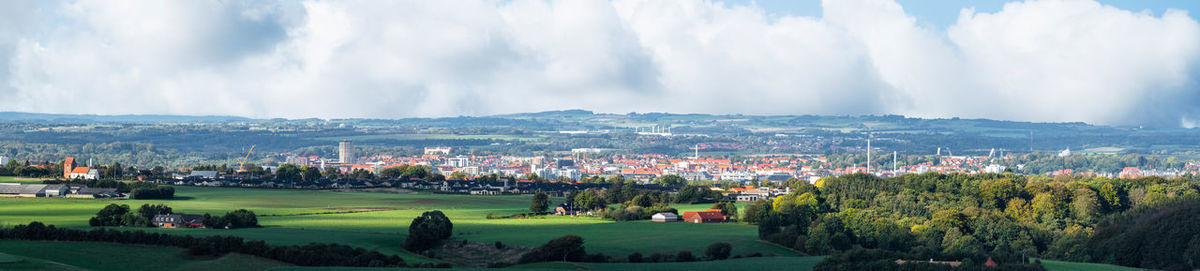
(799, 135)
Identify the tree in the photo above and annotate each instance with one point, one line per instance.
(727, 208)
(757, 211)
(996, 192)
(111, 215)
(642, 200)
(590, 199)
(540, 203)
(113, 171)
(685, 256)
(428, 230)
(241, 218)
(670, 180)
(332, 173)
(1110, 196)
(288, 172)
(1084, 205)
(148, 211)
(945, 220)
(1047, 207)
(718, 251)
(310, 173)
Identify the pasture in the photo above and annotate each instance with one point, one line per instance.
(380, 220)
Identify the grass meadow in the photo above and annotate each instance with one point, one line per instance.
(380, 220)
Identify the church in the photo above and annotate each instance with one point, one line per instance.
(72, 171)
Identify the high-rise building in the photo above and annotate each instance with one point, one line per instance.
(346, 152)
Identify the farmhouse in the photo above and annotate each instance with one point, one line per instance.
(664, 217)
(172, 221)
(703, 217)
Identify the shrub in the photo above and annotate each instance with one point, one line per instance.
(566, 248)
(718, 251)
(684, 256)
(635, 257)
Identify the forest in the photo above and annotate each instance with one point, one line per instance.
(1009, 218)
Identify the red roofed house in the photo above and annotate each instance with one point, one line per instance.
(703, 217)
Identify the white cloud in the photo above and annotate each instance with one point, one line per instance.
(1047, 60)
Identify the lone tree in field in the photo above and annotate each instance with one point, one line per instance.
(428, 230)
(540, 203)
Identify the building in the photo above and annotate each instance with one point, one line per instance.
(346, 152)
(437, 150)
(3, 160)
(567, 209)
(748, 197)
(71, 170)
(301, 161)
(198, 174)
(15, 190)
(172, 221)
(664, 217)
(703, 217)
(460, 161)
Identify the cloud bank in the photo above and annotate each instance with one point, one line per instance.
(1040, 60)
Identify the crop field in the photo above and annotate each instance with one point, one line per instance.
(94, 256)
(380, 220)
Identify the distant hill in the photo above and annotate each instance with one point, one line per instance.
(22, 116)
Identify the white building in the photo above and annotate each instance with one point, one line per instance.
(994, 168)
(460, 161)
(437, 150)
(3, 160)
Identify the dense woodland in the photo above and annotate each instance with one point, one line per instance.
(1009, 218)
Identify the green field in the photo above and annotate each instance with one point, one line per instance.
(766, 263)
(1052, 265)
(95, 256)
(380, 220)
(11, 179)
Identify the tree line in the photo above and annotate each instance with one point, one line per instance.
(120, 215)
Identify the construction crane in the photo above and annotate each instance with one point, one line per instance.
(242, 166)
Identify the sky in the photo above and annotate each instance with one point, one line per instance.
(1118, 62)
